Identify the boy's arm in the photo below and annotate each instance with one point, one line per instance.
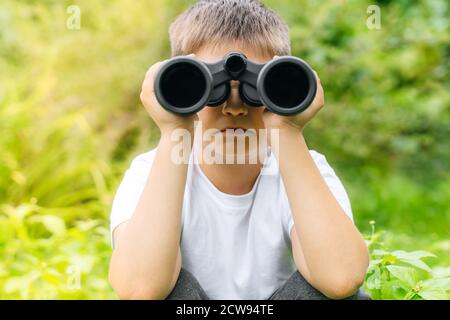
(116, 235)
(327, 247)
(146, 258)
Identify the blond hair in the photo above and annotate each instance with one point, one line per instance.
(214, 23)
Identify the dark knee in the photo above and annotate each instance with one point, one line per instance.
(297, 288)
(305, 291)
(187, 287)
(359, 295)
(308, 291)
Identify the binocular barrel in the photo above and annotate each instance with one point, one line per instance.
(286, 86)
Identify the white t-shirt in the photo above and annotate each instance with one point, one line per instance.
(237, 246)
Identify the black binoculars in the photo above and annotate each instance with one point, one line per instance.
(285, 86)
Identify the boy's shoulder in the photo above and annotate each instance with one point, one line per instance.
(145, 157)
(322, 163)
(317, 156)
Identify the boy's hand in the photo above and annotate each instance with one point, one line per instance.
(272, 120)
(165, 120)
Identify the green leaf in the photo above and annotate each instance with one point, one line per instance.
(410, 295)
(390, 259)
(405, 274)
(52, 223)
(441, 284)
(419, 264)
(414, 255)
(375, 262)
(379, 252)
(373, 281)
(441, 272)
(392, 290)
(434, 294)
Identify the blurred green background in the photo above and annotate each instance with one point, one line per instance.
(71, 122)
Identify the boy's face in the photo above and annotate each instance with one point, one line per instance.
(233, 113)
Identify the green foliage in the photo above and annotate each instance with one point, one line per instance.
(71, 121)
(390, 84)
(404, 275)
(42, 258)
(64, 127)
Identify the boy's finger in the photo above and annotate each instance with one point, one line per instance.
(317, 76)
(154, 66)
(151, 74)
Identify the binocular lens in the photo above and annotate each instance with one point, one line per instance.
(286, 85)
(183, 85)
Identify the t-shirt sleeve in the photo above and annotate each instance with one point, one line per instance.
(130, 189)
(334, 184)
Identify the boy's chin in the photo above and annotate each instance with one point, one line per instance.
(230, 155)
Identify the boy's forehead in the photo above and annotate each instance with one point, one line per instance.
(210, 54)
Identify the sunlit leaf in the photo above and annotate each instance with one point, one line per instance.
(413, 255)
(406, 275)
(54, 224)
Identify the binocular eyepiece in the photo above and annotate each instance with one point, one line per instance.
(286, 86)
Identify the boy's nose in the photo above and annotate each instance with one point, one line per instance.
(234, 106)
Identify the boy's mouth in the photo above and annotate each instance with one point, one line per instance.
(233, 129)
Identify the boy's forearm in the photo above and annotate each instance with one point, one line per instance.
(334, 251)
(144, 261)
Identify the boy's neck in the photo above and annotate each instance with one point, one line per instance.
(233, 179)
(236, 179)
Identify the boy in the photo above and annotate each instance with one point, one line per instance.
(228, 231)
